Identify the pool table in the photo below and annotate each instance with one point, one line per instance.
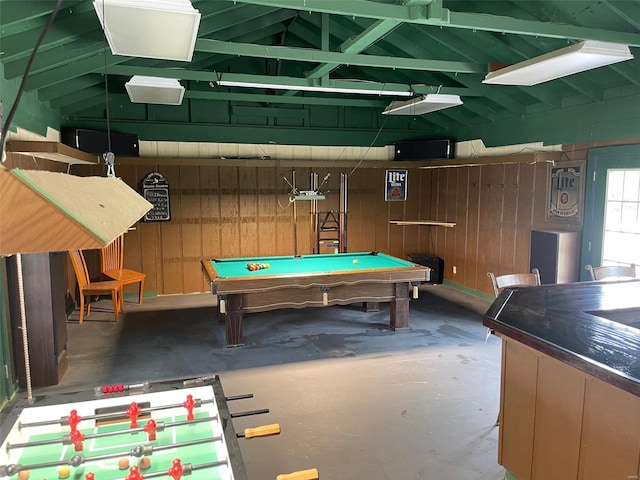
(312, 281)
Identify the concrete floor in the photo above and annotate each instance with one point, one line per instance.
(354, 399)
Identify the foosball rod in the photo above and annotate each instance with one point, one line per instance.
(66, 439)
(64, 421)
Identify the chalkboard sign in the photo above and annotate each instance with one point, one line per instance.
(155, 189)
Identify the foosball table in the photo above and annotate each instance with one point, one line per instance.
(165, 430)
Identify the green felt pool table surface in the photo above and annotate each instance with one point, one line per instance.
(307, 264)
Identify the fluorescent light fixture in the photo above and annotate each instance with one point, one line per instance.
(580, 57)
(162, 91)
(425, 104)
(163, 29)
(317, 88)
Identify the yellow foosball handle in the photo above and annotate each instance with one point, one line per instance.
(325, 298)
(223, 306)
(262, 431)
(311, 474)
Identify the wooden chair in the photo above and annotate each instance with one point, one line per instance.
(612, 272)
(87, 288)
(514, 280)
(111, 265)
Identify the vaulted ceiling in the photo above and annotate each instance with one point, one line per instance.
(424, 46)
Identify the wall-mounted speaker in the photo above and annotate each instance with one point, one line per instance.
(97, 142)
(424, 150)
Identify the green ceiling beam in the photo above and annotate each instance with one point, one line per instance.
(94, 64)
(443, 17)
(310, 55)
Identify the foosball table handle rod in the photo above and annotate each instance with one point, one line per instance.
(262, 431)
(310, 474)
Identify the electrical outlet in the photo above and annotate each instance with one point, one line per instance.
(455, 270)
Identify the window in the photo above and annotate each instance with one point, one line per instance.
(621, 235)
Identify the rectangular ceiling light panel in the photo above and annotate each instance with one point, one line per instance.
(163, 29)
(421, 105)
(162, 91)
(580, 57)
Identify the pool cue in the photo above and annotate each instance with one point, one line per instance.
(63, 421)
(66, 439)
(262, 431)
(310, 474)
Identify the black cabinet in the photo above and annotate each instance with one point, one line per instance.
(556, 254)
(44, 301)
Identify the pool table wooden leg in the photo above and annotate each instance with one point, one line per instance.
(371, 306)
(233, 321)
(399, 308)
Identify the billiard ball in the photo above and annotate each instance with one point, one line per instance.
(64, 472)
(123, 463)
(145, 462)
(355, 261)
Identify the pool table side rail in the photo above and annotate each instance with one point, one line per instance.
(317, 279)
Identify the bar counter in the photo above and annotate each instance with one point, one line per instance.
(570, 380)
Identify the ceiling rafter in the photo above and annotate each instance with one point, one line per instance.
(443, 17)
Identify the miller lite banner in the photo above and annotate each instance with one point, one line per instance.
(565, 193)
(396, 185)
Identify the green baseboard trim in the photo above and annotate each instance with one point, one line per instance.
(471, 291)
(510, 476)
(146, 294)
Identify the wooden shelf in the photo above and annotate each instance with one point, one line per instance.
(45, 211)
(55, 151)
(405, 223)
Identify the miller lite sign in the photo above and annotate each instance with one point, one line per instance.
(396, 185)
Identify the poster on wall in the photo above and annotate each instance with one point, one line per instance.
(565, 192)
(155, 189)
(396, 185)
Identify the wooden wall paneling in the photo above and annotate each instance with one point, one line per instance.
(508, 244)
(491, 191)
(267, 206)
(473, 240)
(450, 208)
(558, 420)
(365, 237)
(541, 172)
(380, 207)
(150, 245)
(210, 216)
(610, 436)
(526, 197)
(191, 213)
(413, 234)
(171, 235)
(460, 216)
(284, 214)
(303, 210)
(229, 212)
(517, 409)
(248, 208)
(133, 238)
(355, 214)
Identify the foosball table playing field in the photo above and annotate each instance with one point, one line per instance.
(166, 430)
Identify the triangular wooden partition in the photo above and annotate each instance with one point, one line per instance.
(44, 211)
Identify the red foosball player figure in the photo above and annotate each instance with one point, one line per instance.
(133, 412)
(175, 471)
(151, 428)
(189, 404)
(134, 473)
(73, 420)
(77, 438)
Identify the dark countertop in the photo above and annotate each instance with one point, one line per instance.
(592, 326)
